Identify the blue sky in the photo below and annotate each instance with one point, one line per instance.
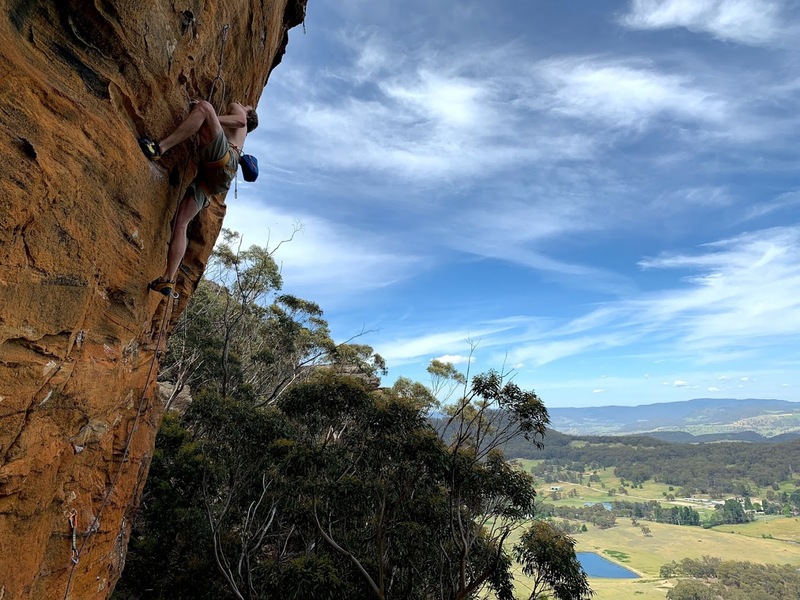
(602, 195)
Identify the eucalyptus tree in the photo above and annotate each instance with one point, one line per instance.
(242, 336)
(487, 497)
(291, 476)
(548, 557)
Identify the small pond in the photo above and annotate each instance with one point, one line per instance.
(597, 566)
(606, 505)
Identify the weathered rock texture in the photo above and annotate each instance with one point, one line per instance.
(84, 225)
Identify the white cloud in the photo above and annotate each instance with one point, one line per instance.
(493, 230)
(713, 389)
(781, 202)
(679, 383)
(455, 359)
(450, 101)
(544, 350)
(322, 258)
(729, 301)
(624, 93)
(418, 114)
(708, 196)
(404, 350)
(390, 124)
(744, 379)
(752, 22)
(423, 115)
(597, 391)
(747, 288)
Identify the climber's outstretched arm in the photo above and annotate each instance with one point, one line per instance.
(235, 121)
(202, 120)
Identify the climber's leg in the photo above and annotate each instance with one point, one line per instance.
(202, 119)
(177, 248)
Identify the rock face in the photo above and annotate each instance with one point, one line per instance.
(84, 225)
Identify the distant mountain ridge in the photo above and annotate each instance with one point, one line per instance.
(699, 417)
(682, 437)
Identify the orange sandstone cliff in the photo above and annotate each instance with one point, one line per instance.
(84, 225)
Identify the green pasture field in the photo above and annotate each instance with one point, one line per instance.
(785, 486)
(526, 464)
(777, 526)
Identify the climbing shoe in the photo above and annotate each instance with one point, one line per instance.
(161, 286)
(150, 149)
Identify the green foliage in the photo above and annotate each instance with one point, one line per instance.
(691, 590)
(240, 336)
(289, 476)
(731, 512)
(334, 488)
(596, 514)
(445, 379)
(651, 511)
(548, 557)
(414, 393)
(167, 551)
(620, 556)
(334, 491)
(712, 578)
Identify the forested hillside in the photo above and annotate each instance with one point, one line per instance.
(682, 437)
(710, 468)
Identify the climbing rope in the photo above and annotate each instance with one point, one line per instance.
(219, 78)
(75, 553)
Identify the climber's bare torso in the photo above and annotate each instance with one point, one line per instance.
(233, 123)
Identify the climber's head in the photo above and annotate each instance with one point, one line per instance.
(252, 118)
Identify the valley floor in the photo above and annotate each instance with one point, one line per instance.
(768, 540)
(625, 545)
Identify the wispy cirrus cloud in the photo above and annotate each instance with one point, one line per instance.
(420, 117)
(729, 300)
(458, 162)
(418, 114)
(752, 22)
(625, 93)
(781, 202)
(424, 347)
(322, 257)
(735, 295)
(546, 349)
(746, 289)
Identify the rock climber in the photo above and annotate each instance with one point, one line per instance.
(221, 139)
